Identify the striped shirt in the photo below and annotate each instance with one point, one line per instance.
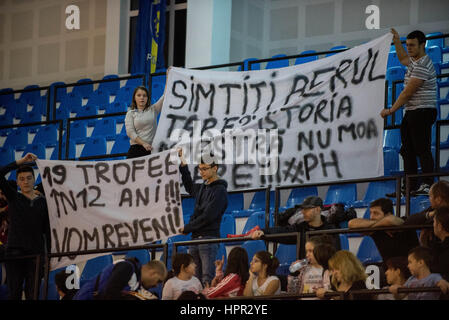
(426, 95)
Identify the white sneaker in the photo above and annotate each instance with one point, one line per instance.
(423, 190)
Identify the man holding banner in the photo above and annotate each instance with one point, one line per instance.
(29, 232)
(211, 201)
(419, 99)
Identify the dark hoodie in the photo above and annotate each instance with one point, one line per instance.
(211, 201)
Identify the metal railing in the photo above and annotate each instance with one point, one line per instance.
(48, 88)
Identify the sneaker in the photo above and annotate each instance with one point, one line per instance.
(423, 190)
(393, 194)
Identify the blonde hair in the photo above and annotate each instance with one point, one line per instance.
(158, 266)
(351, 269)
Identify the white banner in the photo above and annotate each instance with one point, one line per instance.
(110, 204)
(326, 114)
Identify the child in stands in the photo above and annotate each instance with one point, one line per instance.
(312, 276)
(262, 280)
(419, 260)
(183, 278)
(231, 282)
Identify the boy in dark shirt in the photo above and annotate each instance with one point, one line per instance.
(29, 228)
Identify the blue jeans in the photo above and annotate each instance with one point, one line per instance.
(204, 256)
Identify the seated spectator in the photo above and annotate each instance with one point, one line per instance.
(231, 282)
(313, 220)
(123, 281)
(183, 278)
(348, 274)
(61, 285)
(441, 250)
(397, 273)
(262, 280)
(390, 244)
(438, 197)
(312, 276)
(419, 260)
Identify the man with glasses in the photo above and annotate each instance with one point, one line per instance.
(211, 201)
(419, 100)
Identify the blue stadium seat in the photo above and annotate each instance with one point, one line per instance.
(62, 114)
(111, 87)
(88, 110)
(391, 162)
(227, 225)
(344, 242)
(179, 249)
(93, 267)
(418, 204)
(6, 156)
(94, 146)
(84, 91)
(78, 130)
(188, 204)
(235, 202)
(376, 190)
(124, 95)
(121, 144)
(38, 149)
(298, 195)
(286, 254)
(142, 255)
(115, 107)
(18, 107)
(6, 96)
(17, 138)
(252, 247)
(343, 193)
(47, 135)
(99, 98)
(104, 127)
(72, 151)
(32, 116)
(133, 83)
(278, 63)
(157, 88)
(435, 42)
(257, 204)
(334, 49)
(32, 96)
(393, 60)
(6, 120)
(255, 219)
(443, 90)
(302, 60)
(222, 253)
(394, 74)
(254, 66)
(392, 139)
(367, 252)
(434, 53)
(71, 102)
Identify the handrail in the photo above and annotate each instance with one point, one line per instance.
(332, 294)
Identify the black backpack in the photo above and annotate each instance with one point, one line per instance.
(338, 214)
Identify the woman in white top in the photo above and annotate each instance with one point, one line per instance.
(141, 122)
(262, 280)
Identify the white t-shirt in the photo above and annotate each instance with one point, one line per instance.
(312, 279)
(175, 286)
(258, 291)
